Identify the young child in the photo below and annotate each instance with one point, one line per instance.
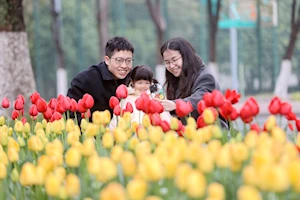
(141, 79)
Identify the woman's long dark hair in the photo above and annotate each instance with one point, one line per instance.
(191, 63)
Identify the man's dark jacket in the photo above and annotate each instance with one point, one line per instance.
(99, 82)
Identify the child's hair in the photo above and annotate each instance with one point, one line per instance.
(141, 72)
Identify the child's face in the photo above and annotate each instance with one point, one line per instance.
(141, 85)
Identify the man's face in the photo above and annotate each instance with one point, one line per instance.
(120, 63)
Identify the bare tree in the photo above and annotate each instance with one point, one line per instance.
(281, 87)
(213, 18)
(15, 65)
(160, 24)
(102, 7)
(61, 74)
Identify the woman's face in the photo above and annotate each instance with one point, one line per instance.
(141, 85)
(173, 61)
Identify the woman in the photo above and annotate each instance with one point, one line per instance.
(187, 77)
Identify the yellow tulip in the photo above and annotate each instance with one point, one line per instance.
(134, 126)
(56, 127)
(73, 157)
(191, 121)
(193, 152)
(142, 149)
(70, 125)
(38, 126)
(151, 168)
(107, 140)
(146, 121)
(174, 124)
(142, 133)
(72, 137)
(278, 134)
(3, 171)
(2, 120)
(45, 162)
(60, 173)
(155, 134)
(120, 135)
(13, 155)
(3, 157)
(26, 128)
(216, 191)
(276, 179)
(206, 161)
(44, 123)
(35, 144)
(208, 116)
(10, 131)
(238, 152)
(113, 191)
(294, 174)
(133, 143)
(91, 130)
(214, 146)
(250, 176)
(137, 189)
(28, 174)
(52, 185)
(196, 184)
(18, 127)
(116, 153)
(88, 147)
(3, 138)
(72, 185)
(107, 170)
(55, 145)
(248, 193)
(14, 175)
(153, 198)
(128, 163)
(93, 164)
(251, 139)
(101, 117)
(270, 123)
(40, 175)
(190, 131)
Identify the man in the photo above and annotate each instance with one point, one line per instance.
(101, 81)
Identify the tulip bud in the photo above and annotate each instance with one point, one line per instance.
(128, 163)
(13, 155)
(88, 147)
(14, 175)
(18, 127)
(21, 141)
(137, 188)
(2, 120)
(107, 140)
(72, 185)
(3, 171)
(5, 102)
(52, 185)
(73, 157)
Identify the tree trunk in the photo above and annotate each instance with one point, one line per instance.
(61, 73)
(160, 24)
(281, 86)
(16, 71)
(213, 19)
(102, 24)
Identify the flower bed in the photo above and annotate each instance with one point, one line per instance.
(51, 157)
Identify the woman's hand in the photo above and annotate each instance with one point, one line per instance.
(167, 104)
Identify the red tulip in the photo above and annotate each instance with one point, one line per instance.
(274, 106)
(234, 114)
(207, 97)
(73, 105)
(255, 127)
(297, 122)
(87, 114)
(183, 108)
(21, 97)
(128, 108)
(139, 103)
(200, 122)
(48, 114)
(34, 97)
(285, 108)
(81, 106)
(60, 107)
(155, 119)
(291, 127)
(246, 113)
(19, 104)
(226, 109)
(113, 101)
(66, 103)
(121, 92)
(60, 97)
(232, 96)
(290, 116)
(201, 106)
(15, 114)
(56, 116)
(52, 104)
(5, 103)
(254, 106)
(117, 110)
(33, 110)
(88, 100)
(165, 126)
(24, 120)
(41, 105)
(217, 98)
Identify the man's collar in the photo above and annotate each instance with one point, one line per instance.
(106, 74)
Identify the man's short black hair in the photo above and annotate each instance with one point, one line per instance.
(118, 44)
